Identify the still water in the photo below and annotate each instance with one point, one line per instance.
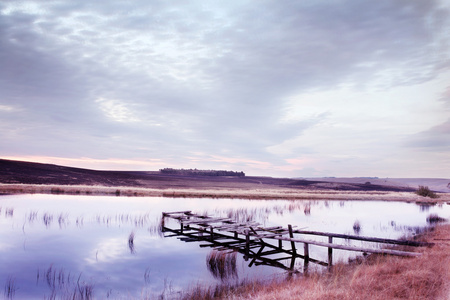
(55, 246)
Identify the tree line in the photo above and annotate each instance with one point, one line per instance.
(201, 172)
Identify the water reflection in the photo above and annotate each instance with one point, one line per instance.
(112, 247)
(222, 264)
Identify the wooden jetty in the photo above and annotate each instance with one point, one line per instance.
(264, 245)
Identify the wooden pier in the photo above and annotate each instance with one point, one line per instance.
(264, 245)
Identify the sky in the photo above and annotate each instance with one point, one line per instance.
(345, 88)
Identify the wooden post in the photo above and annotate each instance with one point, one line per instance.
(306, 261)
(181, 227)
(280, 244)
(256, 256)
(292, 263)
(291, 235)
(212, 234)
(235, 235)
(330, 253)
(247, 244)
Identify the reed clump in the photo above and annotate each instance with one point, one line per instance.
(10, 288)
(434, 218)
(425, 191)
(222, 264)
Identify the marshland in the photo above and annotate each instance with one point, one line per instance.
(96, 247)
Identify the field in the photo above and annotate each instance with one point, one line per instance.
(376, 277)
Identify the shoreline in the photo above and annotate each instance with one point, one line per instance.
(251, 194)
(374, 277)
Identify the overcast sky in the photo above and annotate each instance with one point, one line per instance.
(276, 88)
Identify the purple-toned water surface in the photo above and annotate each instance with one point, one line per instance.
(58, 245)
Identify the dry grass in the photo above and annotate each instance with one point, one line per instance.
(389, 277)
(378, 277)
(276, 193)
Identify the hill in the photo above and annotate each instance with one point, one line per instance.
(14, 172)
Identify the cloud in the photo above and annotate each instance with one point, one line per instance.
(434, 139)
(445, 97)
(168, 80)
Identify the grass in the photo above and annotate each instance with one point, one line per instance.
(251, 193)
(376, 277)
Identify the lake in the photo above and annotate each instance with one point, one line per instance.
(52, 246)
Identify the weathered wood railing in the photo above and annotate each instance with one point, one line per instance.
(225, 233)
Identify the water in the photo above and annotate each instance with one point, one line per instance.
(52, 246)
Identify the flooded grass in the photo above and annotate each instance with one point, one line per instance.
(131, 243)
(63, 285)
(47, 219)
(32, 216)
(10, 288)
(9, 212)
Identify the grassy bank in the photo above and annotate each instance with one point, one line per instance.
(275, 193)
(378, 277)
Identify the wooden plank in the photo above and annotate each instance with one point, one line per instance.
(233, 227)
(207, 221)
(282, 258)
(367, 239)
(351, 248)
(176, 212)
(272, 228)
(262, 236)
(271, 252)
